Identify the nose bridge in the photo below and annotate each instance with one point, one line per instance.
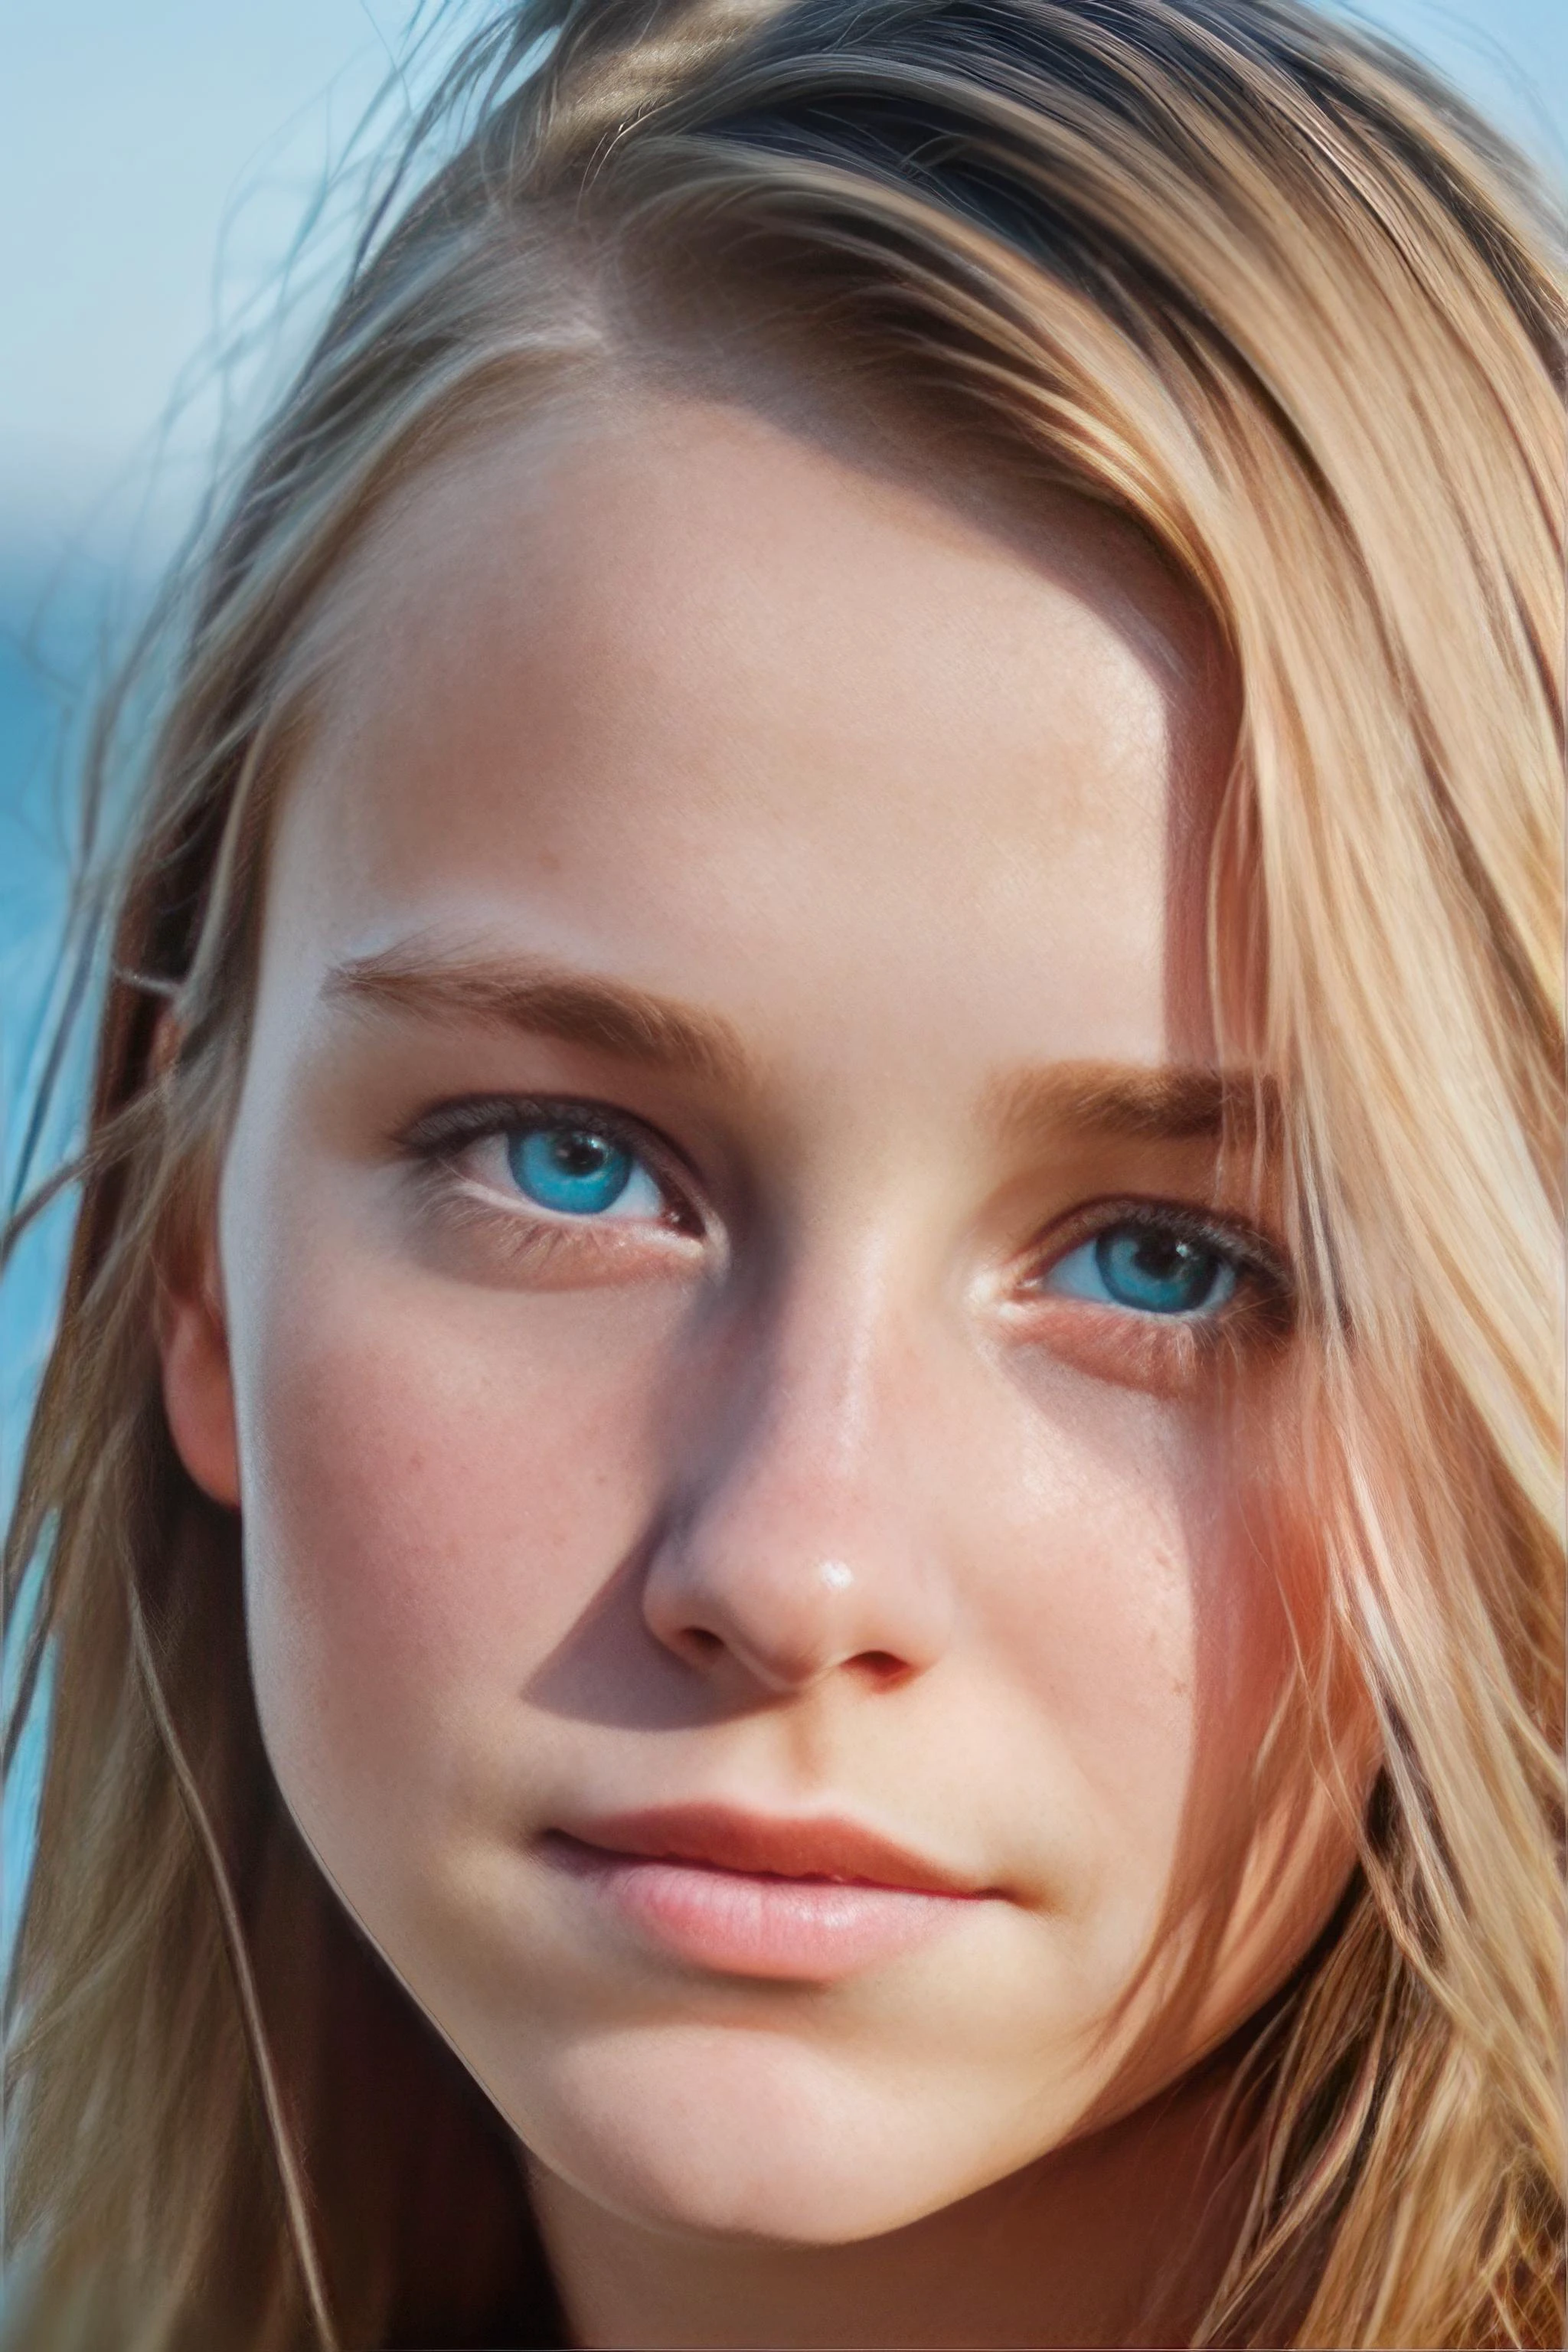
(796, 1543)
(832, 1386)
(837, 1330)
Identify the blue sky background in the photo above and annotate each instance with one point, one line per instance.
(157, 158)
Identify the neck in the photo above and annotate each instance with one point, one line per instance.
(1120, 2238)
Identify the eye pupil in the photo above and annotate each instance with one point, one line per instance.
(1158, 1271)
(1159, 1258)
(577, 1154)
(570, 1169)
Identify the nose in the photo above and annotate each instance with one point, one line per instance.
(798, 1543)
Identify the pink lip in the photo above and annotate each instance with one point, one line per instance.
(746, 1894)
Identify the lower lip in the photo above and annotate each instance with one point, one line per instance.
(805, 1930)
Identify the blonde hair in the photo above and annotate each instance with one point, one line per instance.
(1253, 280)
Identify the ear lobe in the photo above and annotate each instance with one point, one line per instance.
(198, 1392)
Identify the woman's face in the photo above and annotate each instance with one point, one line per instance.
(746, 1379)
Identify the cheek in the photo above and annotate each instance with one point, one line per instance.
(437, 1479)
(1143, 1627)
(1190, 1578)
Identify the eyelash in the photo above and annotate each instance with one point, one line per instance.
(438, 1138)
(1265, 1294)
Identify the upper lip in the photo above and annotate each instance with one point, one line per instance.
(770, 1845)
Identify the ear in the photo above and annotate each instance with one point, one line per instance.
(193, 1343)
(198, 1389)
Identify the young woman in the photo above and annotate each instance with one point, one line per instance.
(799, 1503)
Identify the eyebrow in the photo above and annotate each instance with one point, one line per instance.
(1173, 1104)
(1176, 1104)
(549, 1000)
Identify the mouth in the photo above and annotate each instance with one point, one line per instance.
(808, 1900)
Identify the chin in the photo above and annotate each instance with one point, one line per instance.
(732, 2133)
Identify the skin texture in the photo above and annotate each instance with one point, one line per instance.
(911, 814)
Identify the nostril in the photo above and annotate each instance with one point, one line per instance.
(881, 1667)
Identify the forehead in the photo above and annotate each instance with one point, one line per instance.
(672, 676)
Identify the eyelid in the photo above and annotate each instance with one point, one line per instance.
(440, 1133)
(1234, 1237)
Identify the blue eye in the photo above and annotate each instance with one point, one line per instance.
(582, 1171)
(1148, 1267)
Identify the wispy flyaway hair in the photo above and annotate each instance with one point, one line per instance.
(1252, 280)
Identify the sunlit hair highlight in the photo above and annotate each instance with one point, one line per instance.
(1252, 281)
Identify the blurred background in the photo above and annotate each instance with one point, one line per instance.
(178, 182)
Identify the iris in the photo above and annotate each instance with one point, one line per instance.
(578, 1171)
(1150, 1267)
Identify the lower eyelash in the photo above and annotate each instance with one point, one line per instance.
(534, 1247)
(463, 1206)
